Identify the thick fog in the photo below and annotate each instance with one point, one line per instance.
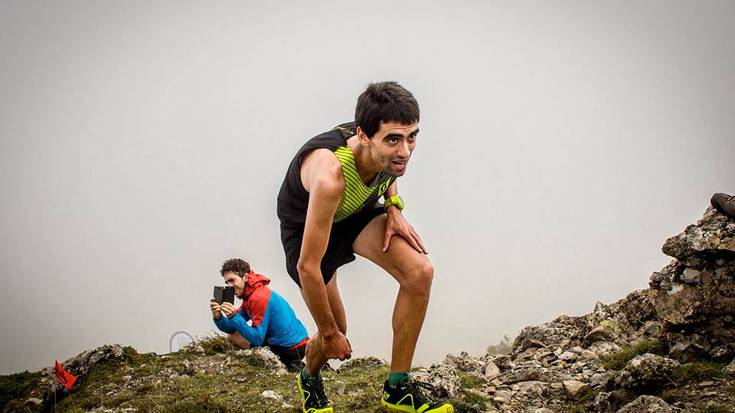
(143, 143)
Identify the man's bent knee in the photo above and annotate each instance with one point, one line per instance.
(418, 279)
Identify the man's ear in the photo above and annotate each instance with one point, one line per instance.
(362, 137)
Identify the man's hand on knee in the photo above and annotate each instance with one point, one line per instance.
(336, 346)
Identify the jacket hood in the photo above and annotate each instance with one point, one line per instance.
(254, 282)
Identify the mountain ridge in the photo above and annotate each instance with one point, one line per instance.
(667, 348)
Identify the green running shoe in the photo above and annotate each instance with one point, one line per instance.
(408, 397)
(313, 399)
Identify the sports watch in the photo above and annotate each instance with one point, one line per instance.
(394, 200)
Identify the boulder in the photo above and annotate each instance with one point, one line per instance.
(646, 404)
(643, 373)
(491, 371)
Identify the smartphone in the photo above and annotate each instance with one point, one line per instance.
(224, 294)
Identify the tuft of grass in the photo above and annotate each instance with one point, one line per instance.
(617, 361)
(471, 381)
(468, 404)
(697, 371)
(215, 344)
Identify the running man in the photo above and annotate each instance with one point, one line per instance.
(328, 208)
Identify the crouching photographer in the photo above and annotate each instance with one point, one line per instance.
(272, 321)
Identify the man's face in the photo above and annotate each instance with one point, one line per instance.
(392, 146)
(234, 280)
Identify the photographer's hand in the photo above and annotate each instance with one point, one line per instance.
(228, 309)
(216, 309)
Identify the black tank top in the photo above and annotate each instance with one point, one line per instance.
(293, 199)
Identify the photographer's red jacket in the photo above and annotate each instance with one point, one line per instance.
(272, 320)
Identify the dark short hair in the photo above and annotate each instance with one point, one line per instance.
(385, 102)
(236, 265)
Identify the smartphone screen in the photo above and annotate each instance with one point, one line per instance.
(219, 293)
(228, 295)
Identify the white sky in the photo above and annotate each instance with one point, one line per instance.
(143, 143)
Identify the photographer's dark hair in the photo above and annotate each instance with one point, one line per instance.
(236, 265)
(385, 102)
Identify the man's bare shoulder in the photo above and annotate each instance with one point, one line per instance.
(321, 167)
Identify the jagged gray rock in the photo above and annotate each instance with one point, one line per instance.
(647, 404)
(491, 371)
(465, 362)
(441, 379)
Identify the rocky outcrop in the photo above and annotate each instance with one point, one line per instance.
(628, 320)
(694, 296)
(686, 316)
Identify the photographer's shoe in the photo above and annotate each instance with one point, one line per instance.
(313, 399)
(408, 397)
(724, 203)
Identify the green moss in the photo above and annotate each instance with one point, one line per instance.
(697, 371)
(471, 381)
(617, 361)
(14, 385)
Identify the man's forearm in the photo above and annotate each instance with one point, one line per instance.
(315, 295)
(224, 324)
(254, 335)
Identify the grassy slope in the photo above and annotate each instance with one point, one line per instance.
(220, 381)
